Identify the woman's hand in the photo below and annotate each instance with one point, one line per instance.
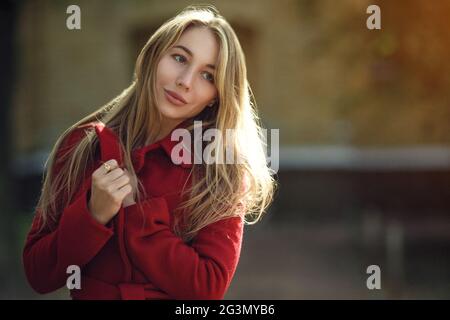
(108, 191)
(129, 199)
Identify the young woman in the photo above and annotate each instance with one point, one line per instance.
(116, 202)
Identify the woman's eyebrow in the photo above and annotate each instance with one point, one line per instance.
(189, 52)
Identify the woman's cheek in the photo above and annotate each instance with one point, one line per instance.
(166, 68)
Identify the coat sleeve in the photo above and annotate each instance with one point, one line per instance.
(75, 240)
(199, 271)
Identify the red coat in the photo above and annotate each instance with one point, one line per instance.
(123, 259)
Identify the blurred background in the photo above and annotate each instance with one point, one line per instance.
(364, 120)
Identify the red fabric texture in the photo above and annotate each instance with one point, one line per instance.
(134, 256)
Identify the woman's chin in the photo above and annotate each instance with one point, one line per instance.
(172, 115)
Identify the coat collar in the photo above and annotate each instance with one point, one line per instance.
(110, 147)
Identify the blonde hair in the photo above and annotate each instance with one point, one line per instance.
(218, 190)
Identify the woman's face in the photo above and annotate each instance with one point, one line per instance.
(187, 69)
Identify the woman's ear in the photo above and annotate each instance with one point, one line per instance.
(212, 103)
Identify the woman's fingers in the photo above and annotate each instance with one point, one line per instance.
(122, 192)
(110, 185)
(109, 165)
(120, 182)
(114, 175)
(105, 168)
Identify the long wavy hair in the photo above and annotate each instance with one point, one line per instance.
(218, 190)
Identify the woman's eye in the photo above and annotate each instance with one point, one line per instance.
(179, 58)
(209, 77)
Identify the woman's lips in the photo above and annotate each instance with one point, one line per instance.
(172, 99)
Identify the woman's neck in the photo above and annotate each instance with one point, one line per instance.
(166, 127)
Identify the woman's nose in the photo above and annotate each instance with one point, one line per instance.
(185, 79)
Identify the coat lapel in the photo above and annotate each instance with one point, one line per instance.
(109, 144)
(110, 149)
